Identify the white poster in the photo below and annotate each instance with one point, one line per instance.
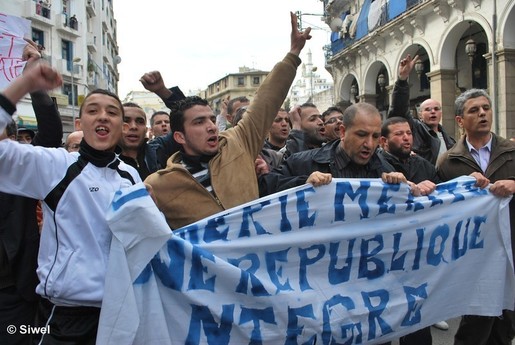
(12, 31)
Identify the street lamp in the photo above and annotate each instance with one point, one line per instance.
(77, 59)
(381, 80)
(353, 92)
(470, 49)
(470, 46)
(419, 68)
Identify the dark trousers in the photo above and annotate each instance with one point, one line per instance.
(486, 330)
(68, 325)
(15, 312)
(420, 337)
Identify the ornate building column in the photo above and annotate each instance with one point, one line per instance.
(443, 89)
(368, 98)
(505, 83)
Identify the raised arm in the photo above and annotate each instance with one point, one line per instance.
(296, 140)
(400, 96)
(253, 128)
(298, 38)
(37, 77)
(50, 126)
(153, 82)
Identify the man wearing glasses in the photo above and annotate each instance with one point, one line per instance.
(429, 138)
(333, 118)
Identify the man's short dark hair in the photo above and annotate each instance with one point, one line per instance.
(239, 115)
(11, 129)
(101, 92)
(160, 112)
(132, 105)
(465, 96)
(331, 110)
(178, 108)
(307, 105)
(385, 128)
(230, 104)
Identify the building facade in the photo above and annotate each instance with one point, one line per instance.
(79, 40)
(149, 101)
(309, 86)
(244, 83)
(462, 44)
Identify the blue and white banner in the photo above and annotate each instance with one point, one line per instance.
(353, 262)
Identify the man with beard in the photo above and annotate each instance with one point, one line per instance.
(307, 129)
(397, 142)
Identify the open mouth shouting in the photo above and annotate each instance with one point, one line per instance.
(212, 141)
(102, 131)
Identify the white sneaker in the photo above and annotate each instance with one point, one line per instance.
(441, 325)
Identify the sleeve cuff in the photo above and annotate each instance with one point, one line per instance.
(7, 105)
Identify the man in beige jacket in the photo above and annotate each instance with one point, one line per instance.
(215, 171)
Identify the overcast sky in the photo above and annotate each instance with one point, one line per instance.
(195, 43)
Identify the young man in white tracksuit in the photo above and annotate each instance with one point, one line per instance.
(75, 238)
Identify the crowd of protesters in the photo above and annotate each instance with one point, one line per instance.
(54, 236)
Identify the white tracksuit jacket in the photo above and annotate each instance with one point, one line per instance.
(75, 241)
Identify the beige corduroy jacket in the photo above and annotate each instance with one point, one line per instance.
(183, 200)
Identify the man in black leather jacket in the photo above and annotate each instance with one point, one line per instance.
(353, 156)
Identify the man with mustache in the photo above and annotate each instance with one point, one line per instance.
(353, 156)
(396, 143)
(307, 130)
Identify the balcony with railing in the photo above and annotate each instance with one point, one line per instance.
(90, 8)
(351, 32)
(35, 12)
(67, 25)
(92, 43)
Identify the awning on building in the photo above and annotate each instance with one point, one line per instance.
(27, 122)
